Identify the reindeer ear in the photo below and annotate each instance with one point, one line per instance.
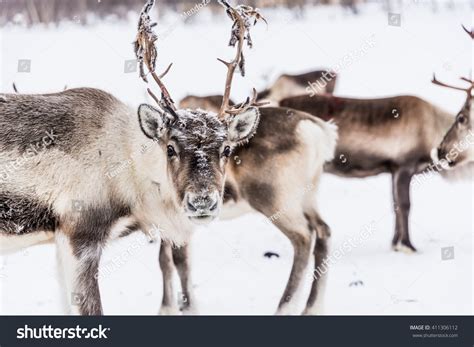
(153, 121)
(243, 126)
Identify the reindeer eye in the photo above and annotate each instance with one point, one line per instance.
(226, 152)
(461, 119)
(170, 151)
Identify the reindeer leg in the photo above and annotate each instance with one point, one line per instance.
(182, 262)
(300, 238)
(401, 196)
(168, 304)
(314, 305)
(79, 265)
(79, 246)
(398, 232)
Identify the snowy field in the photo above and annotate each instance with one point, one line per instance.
(231, 275)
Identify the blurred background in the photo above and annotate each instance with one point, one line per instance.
(379, 48)
(30, 12)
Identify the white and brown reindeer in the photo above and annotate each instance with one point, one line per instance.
(57, 155)
(277, 175)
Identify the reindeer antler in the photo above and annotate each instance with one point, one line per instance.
(243, 17)
(470, 33)
(146, 53)
(467, 90)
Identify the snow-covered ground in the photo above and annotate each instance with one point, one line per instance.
(231, 275)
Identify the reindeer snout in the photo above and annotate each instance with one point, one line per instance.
(444, 157)
(202, 204)
(441, 153)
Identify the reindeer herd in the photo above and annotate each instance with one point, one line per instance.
(177, 169)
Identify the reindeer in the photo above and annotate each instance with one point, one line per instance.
(277, 174)
(62, 151)
(389, 135)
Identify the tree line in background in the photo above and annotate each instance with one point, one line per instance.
(30, 12)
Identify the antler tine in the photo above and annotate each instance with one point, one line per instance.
(153, 96)
(470, 33)
(146, 53)
(250, 102)
(166, 71)
(465, 79)
(241, 16)
(435, 81)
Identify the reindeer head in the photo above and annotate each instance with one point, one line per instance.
(457, 146)
(197, 144)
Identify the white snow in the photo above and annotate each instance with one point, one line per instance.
(231, 276)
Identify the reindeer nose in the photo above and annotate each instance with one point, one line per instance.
(441, 153)
(202, 203)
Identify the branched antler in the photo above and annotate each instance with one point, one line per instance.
(467, 90)
(146, 53)
(243, 17)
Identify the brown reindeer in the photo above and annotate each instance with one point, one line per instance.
(277, 174)
(389, 135)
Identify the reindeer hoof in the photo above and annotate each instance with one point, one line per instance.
(315, 310)
(190, 311)
(404, 247)
(288, 309)
(169, 311)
